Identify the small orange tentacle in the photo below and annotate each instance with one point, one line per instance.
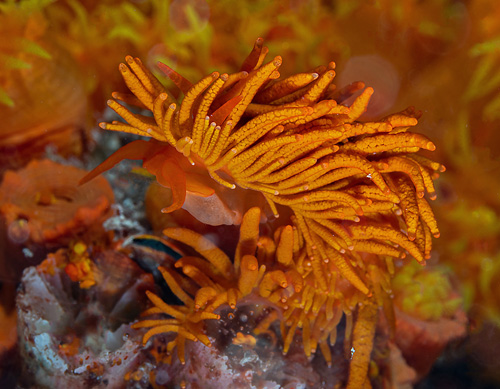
(224, 110)
(182, 83)
(136, 150)
(251, 61)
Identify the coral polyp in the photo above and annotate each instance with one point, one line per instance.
(355, 191)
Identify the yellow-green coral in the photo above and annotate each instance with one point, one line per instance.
(424, 292)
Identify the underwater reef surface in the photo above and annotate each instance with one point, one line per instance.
(267, 221)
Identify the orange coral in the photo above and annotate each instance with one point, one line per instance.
(356, 190)
(272, 269)
(291, 141)
(362, 344)
(288, 286)
(42, 203)
(80, 267)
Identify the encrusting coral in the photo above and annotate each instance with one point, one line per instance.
(44, 197)
(42, 209)
(425, 293)
(355, 189)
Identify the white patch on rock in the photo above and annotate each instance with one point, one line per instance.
(44, 352)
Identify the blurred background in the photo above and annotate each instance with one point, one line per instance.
(58, 66)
